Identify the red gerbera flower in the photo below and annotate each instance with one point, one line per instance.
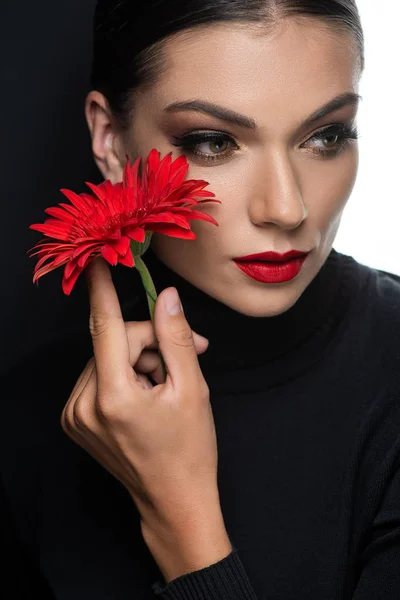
(115, 219)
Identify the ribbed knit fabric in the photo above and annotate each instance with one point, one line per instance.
(225, 579)
(306, 408)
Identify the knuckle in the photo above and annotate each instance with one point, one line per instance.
(63, 421)
(197, 388)
(80, 419)
(66, 421)
(140, 332)
(203, 390)
(105, 410)
(182, 335)
(99, 323)
(109, 410)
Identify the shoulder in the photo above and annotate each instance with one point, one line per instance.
(378, 314)
(370, 358)
(365, 354)
(366, 363)
(375, 304)
(382, 296)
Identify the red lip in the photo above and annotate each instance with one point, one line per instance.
(271, 272)
(272, 256)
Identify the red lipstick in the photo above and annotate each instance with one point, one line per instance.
(271, 267)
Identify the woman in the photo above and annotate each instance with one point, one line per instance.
(301, 366)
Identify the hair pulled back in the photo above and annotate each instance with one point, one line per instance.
(128, 35)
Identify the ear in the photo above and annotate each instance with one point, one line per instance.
(107, 146)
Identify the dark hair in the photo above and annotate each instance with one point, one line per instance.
(128, 35)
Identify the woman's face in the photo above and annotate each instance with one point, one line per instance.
(281, 186)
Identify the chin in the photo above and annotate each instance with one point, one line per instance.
(265, 304)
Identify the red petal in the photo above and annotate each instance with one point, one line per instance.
(62, 258)
(203, 217)
(188, 188)
(79, 202)
(43, 271)
(162, 176)
(209, 200)
(114, 236)
(70, 209)
(47, 247)
(97, 190)
(131, 185)
(153, 160)
(109, 254)
(60, 233)
(81, 249)
(128, 260)
(121, 247)
(69, 269)
(83, 258)
(191, 214)
(41, 262)
(60, 214)
(203, 194)
(136, 233)
(172, 231)
(166, 217)
(185, 211)
(150, 169)
(68, 284)
(179, 168)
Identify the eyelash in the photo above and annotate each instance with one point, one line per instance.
(188, 142)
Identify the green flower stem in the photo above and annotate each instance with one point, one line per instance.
(151, 297)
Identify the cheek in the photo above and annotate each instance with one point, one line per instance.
(327, 189)
(232, 188)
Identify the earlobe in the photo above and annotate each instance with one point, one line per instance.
(104, 138)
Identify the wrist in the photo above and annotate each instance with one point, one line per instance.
(194, 544)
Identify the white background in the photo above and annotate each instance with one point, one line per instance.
(370, 227)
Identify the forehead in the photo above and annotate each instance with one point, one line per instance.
(299, 65)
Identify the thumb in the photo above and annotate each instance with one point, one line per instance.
(176, 341)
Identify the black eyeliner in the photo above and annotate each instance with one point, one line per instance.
(187, 142)
(197, 137)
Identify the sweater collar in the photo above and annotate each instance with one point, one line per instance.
(275, 346)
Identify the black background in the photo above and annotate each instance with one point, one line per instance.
(46, 52)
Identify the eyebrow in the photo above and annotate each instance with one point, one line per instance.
(225, 114)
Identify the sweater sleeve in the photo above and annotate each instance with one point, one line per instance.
(224, 580)
(379, 562)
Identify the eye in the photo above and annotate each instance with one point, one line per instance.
(216, 146)
(338, 138)
(207, 145)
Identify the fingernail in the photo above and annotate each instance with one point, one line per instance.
(172, 302)
(147, 385)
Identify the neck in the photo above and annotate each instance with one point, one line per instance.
(239, 341)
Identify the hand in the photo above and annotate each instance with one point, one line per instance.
(158, 441)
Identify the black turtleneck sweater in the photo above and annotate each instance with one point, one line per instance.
(307, 413)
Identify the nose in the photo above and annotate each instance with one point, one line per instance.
(275, 195)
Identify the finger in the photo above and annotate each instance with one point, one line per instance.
(83, 377)
(107, 326)
(146, 383)
(176, 341)
(78, 387)
(86, 390)
(141, 336)
(149, 363)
